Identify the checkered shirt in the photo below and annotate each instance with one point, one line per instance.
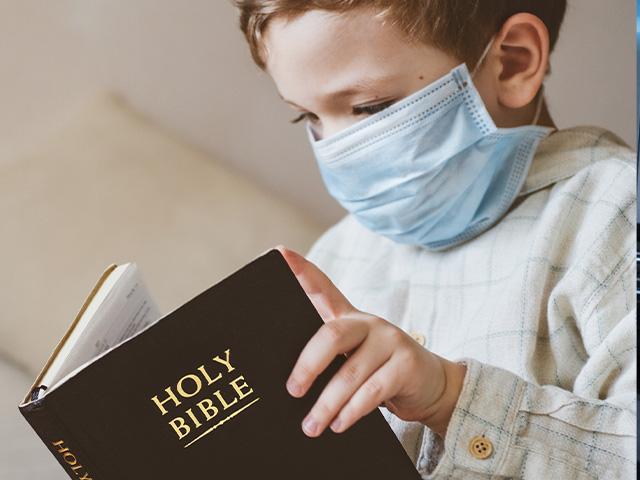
(541, 308)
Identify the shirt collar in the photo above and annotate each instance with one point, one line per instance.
(564, 152)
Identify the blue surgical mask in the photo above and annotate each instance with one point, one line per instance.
(432, 169)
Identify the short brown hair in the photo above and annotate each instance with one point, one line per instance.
(459, 27)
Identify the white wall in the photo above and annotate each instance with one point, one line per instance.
(593, 77)
(185, 64)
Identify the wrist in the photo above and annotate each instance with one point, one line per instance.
(438, 415)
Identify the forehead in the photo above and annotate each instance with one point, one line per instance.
(322, 51)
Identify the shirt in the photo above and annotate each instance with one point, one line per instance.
(540, 307)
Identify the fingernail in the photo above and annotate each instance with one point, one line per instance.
(335, 425)
(293, 388)
(309, 425)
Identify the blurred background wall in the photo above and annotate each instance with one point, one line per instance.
(185, 64)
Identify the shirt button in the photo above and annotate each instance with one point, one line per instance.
(480, 447)
(418, 337)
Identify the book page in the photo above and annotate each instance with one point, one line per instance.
(121, 308)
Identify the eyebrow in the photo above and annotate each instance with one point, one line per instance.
(358, 87)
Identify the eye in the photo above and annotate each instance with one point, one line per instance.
(312, 117)
(372, 109)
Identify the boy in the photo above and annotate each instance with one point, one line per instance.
(493, 253)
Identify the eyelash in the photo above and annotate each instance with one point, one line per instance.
(366, 109)
(299, 118)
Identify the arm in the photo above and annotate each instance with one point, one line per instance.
(533, 431)
(543, 431)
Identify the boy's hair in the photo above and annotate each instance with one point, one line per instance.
(461, 28)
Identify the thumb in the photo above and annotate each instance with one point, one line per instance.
(325, 296)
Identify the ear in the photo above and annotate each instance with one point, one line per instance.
(521, 49)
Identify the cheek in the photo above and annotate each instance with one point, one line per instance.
(332, 126)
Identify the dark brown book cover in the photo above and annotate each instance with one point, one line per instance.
(201, 394)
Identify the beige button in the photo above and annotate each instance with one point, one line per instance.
(481, 447)
(418, 337)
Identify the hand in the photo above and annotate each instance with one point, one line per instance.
(384, 364)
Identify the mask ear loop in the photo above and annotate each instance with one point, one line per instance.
(484, 54)
(539, 95)
(539, 98)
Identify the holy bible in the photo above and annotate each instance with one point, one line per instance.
(200, 392)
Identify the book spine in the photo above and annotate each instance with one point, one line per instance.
(59, 440)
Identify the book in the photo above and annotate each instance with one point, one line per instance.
(200, 392)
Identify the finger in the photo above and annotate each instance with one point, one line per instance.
(331, 339)
(325, 296)
(366, 360)
(380, 386)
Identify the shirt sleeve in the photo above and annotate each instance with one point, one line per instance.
(504, 426)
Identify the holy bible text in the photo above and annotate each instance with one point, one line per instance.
(214, 392)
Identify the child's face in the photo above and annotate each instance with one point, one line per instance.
(337, 68)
